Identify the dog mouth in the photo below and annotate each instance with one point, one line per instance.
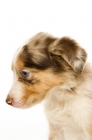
(12, 102)
(20, 103)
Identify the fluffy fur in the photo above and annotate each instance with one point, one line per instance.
(55, 70)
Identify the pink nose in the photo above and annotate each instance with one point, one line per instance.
(9, 101)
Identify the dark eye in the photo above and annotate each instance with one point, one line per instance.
(25, 74)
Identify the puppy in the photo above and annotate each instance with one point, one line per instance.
(55, 70)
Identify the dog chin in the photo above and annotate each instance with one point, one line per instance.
(16, 105)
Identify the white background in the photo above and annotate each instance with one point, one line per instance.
(19, 20)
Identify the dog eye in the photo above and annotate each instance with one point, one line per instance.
(25, 74)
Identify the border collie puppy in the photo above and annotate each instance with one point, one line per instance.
(55, 70)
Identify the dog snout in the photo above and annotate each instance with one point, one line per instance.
(10, 101)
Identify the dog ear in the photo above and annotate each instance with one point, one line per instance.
(71, 52)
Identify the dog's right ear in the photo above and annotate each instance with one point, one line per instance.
(70, 51)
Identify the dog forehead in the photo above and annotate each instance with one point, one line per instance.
(40, 40)
(15, 60)
(35, 47)
(18, 52)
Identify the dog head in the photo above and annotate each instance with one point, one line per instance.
(41, 64)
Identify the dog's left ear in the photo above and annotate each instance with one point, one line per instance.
(71, 52)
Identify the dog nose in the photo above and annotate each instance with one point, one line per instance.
(9, 101)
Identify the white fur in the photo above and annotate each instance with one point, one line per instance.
(69, 112)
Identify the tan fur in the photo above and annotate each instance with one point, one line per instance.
(59, 75)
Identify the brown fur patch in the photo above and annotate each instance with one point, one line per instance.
(71, 52)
